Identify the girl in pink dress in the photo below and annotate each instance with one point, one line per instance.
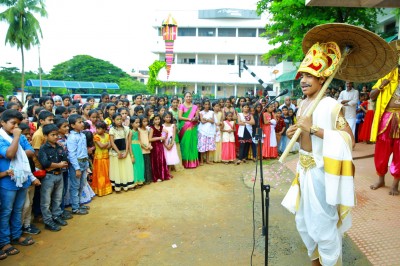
(170, 151)
(228, 139)
(93, 117)
(267, 150)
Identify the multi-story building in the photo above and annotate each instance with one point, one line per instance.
(388, 25)
(207, 49)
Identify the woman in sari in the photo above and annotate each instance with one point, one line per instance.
(188, 114)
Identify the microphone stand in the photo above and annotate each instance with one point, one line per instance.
(265, 189)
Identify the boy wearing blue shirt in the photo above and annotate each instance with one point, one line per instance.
(14, 150)
(79, 162)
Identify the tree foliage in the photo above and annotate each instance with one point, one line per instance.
(5, 86)
(13, 75)
(291, 19)
(24, 29)
(129, 86)
(87, 68)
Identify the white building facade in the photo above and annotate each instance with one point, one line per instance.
(388, 25)
(207, 49)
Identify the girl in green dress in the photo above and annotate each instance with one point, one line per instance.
(136, 152)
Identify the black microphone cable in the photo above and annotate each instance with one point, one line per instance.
(254, 220)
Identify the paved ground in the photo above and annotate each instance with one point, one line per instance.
(376, 225)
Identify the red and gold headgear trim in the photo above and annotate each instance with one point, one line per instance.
(321, 60)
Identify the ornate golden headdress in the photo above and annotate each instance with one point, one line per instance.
(321, 60)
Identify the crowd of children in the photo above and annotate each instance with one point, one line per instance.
(56, 153)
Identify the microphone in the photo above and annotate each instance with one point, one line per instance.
(285, 91)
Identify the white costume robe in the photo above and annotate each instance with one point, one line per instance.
(323, 191)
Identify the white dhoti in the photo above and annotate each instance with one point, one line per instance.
(316, 220)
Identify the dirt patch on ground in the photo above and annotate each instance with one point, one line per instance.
(201, 217)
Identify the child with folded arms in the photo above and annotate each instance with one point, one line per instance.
(53, 158)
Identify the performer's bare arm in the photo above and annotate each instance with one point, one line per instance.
(375, 91)
(341, 124)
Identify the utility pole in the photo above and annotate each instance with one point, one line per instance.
(40, 74)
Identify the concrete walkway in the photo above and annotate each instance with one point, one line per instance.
(376, 218)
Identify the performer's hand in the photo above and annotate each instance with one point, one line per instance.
(385, 82)
(305, 123)
(290, 131)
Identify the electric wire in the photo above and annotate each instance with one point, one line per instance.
(254, 221)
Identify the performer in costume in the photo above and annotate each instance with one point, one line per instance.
(386, 127)
(322, 192)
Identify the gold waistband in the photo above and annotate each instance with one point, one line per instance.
(392, 110)
(307, 161)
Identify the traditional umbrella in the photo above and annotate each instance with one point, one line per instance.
(169, 32)
(365, 57)
(395, 46)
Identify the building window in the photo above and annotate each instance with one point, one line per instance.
(206, 60)
(230, 61)
(247, 32)
(186, 31)
(390, 28)
(189, 61)
(261, 33)
(226, 32)
(249, 60)
(272, 61)
(207, 32)
(159, 31)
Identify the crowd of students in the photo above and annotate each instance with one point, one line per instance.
(364, 111)
(57, 153)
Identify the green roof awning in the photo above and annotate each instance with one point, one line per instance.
(287, 76)
(391, 38)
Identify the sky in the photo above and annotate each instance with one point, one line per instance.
(118, 31)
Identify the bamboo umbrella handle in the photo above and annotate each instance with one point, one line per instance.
(314, 105)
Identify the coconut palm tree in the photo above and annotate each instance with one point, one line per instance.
(24, 28)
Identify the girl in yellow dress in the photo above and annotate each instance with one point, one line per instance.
(101, 184)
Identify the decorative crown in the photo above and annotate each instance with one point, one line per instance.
(321, 60)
